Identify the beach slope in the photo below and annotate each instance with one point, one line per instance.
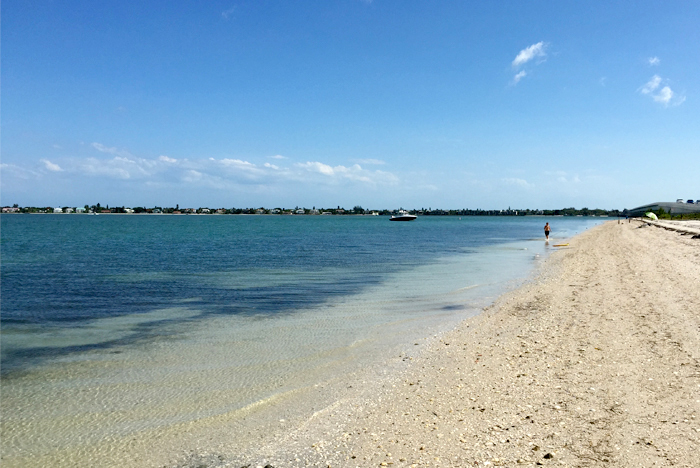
(596, 362)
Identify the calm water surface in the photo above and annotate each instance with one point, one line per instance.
(141, 324)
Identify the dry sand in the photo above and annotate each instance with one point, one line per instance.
(596, 362)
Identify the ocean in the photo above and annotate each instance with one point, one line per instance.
(127, 336)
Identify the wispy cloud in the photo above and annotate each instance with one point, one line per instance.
(529, 53)
(13, 171)
(525, 56)
(663, 95)
(522, 183)
(375, 162)
(353, 173)
(51, 166)
(110, 150)
(653, 61)
(563, 177)
(226, 14)
(220, 173)
(519, 76)
(278, 156)
(651, 85)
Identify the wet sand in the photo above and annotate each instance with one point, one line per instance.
(595, 362)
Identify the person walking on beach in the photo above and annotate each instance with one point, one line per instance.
(546, 231)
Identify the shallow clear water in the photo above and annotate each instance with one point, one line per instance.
(144, 327)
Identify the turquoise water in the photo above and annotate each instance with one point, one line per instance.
(143, 325)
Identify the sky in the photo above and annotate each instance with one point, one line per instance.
(378, 103)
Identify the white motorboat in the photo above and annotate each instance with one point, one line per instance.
(403, 216)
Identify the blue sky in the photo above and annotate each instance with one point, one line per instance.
(449, 104)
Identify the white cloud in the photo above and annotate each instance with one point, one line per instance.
(192, 176)
(317, 167)
(528, 53)
(228, 174)
(563, 177)
(51, 166)
(279, 156)
(516, 182)
(353, 173)
(519, 76)
(376, 162)
(111, 150)
(664, 96)
(104, 149)
(654, 61)
(235, 163)
(10, 171)
(226, 14)
(651, 85)
(112, 169)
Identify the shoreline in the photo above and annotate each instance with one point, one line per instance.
(596, 360)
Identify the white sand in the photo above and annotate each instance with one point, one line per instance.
(594, 363)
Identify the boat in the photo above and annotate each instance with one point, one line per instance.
(403, 216)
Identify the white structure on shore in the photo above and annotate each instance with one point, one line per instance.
(668, 207)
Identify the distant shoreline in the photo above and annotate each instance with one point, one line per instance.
(306, 214)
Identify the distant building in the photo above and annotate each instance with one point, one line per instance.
(10, 209)
(676, 208)
(68, 210)
(80, 210)
(58, 210)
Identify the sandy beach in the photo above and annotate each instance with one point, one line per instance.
(595, 362)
